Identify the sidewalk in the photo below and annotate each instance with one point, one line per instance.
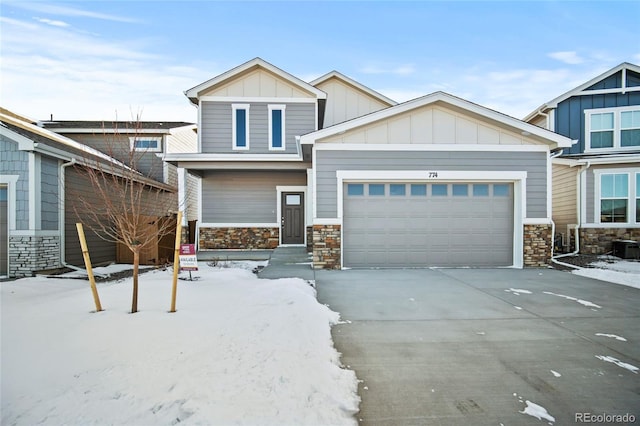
(289, 262)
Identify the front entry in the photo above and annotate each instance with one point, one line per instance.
(292, 220)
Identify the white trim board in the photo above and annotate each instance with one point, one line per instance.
(429, 147)
(257, 99)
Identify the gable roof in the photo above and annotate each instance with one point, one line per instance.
(534, 132)
(580, 89)
(253, 64)
(335, 74)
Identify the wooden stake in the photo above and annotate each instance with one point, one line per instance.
(176, 262)
(87, 264)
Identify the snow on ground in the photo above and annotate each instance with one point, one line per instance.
(619, 363)
(613, 269)
(239, 350)
(613, 336)
(575, 299)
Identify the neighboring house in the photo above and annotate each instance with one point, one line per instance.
(40, 180)
(596, 182)
(436, 181)
(142, 143)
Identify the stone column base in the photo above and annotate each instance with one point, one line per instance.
(537, 243)
(327, 247)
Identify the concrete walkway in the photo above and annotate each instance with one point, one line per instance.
(472, 346)
(289, 262)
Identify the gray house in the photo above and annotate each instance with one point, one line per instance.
(40, 180)
(363, 181)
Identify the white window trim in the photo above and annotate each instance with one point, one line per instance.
(617, 129)
(234, 108)
(133, 139)
(282, 108)
(631, 196)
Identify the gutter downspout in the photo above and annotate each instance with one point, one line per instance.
(577, 226)
(63, 220)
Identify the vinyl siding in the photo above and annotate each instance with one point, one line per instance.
(570, 119)
(217, 132)
(565, 196)
(118, 146)
(192, 196)
(244, 197)
(328, 162)
(15, 162)
(49, 198)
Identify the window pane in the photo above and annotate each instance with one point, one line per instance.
(613, 211)
(145, 144)
(376, 189)
(630, 119)
(630, 138)
(355, 189)
(480, 190)
(241, 127)
(397, 189)
(501, 190)
(602, 121)
(637, 184)
(439, 190)
(460, 190)
(638, 210)
(276, 128)
(606, 186)
(601, 139)
(621, 186)
(419, 190)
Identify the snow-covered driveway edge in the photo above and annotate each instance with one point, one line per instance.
(239, 350)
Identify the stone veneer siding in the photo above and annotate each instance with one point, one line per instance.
(28, 255)
(599, 240)
(239, 238)
(537, 243)
(309, 239)
(326, 247)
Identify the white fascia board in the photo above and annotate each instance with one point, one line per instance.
(566, 162)
(257, 99)
(192, 156)
(357, 85)
(429, 147)
(521, 126)
(605, 159)
(194, 91)
(578, 90)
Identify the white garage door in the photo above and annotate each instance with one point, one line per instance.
(428, 224)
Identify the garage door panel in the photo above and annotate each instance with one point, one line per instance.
(426, 230)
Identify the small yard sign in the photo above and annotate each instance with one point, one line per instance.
(188, 258)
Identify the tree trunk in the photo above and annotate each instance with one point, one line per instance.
(136, 264)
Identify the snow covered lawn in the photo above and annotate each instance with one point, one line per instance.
(614, 270)
(240, 350)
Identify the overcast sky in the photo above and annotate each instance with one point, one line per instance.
(102, 60)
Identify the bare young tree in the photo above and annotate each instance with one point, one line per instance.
(125, 206)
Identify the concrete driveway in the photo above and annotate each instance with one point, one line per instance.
(472, 346)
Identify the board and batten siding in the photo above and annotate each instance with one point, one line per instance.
(570, 118)
(565, 194)
(345, 102)
(246, 196)
(49, 199)
(328, 162)
(16, 162)
(216, 131)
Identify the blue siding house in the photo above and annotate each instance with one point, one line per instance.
(596, 182)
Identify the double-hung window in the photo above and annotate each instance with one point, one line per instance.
(276, 127)
(614, 197)
(612, 129)
(240, 126)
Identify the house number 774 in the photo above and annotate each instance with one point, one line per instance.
(433, 174)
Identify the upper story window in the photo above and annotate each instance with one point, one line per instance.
(276, 127)
(240, 126)
(618, 196)
(144, 143)
(613, 128)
